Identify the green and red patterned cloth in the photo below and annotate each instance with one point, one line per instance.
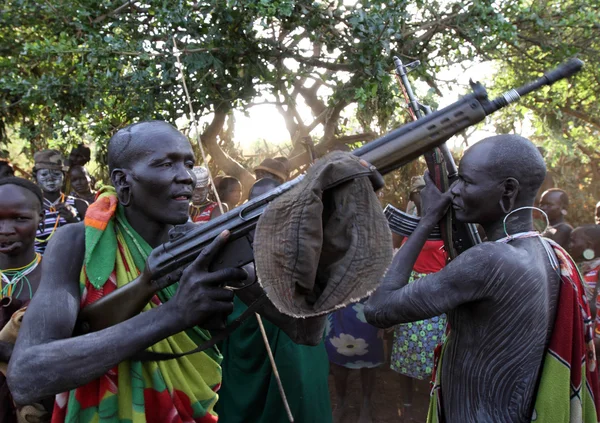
(179, 390)
(568, 388)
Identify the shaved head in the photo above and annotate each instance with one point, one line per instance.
(132, 141)
(512, 156)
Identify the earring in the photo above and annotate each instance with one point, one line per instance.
(563, 212)
(505, 210)
(589, 254)
(122, 201)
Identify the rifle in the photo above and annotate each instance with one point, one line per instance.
(457, 236)
(387, 153)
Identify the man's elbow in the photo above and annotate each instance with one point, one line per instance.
(22, 388)
(372, 311)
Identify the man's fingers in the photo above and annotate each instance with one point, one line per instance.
(221, 294)
(223, 276)
(208, 254)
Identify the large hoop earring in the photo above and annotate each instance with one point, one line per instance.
(524, 208)
(505, 210)
(123, 202)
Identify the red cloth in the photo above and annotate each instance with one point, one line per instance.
(432, 257)
(203, 216)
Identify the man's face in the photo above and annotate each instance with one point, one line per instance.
(49, 180)
(160, 180)
(551, 205)
(578, 242)
(477, 193)
(20, 216)
(597, 214)
(233, 195)
(80, 180)
(199, 195)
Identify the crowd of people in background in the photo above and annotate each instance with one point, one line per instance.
(61, 191)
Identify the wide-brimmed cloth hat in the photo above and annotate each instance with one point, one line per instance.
(325, 243)
(48, 159)
(276, 167)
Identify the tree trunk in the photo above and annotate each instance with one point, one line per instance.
(223, 161)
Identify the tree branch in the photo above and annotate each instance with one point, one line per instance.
(119, 10)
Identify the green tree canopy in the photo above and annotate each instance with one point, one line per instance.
(74, 69)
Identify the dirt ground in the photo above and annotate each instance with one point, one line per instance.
(387, 398)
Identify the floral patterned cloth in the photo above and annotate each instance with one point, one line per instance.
(350, 341)
(414, 344)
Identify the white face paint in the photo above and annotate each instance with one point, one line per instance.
(49, 180)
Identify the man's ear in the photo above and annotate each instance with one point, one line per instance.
(509, 194)
(120, 180)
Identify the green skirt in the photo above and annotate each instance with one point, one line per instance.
(249, 392)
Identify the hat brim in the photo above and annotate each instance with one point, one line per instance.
(273, 171)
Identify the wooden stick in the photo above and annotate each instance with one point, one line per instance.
(275, 371)
(259, 320)
(193, 122)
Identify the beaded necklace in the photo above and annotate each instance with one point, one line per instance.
(52, 209)
(13, 279)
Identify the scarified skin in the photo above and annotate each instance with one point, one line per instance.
(501, 301)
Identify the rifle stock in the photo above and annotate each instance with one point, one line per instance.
(387, 153)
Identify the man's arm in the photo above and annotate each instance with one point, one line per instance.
(394, 302)
(81, 206)
(47, 361)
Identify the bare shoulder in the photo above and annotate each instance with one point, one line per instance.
(53, 310)
(63, 258)
(66, 236)
(484, 254)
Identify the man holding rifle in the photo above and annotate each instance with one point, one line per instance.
(150, 165)
(519, 345)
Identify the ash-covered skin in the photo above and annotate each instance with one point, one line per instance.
(150, 167)
(500, 298)
(50, 180)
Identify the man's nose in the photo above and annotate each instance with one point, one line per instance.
(6, 227)
(184, 175)
(454, 188)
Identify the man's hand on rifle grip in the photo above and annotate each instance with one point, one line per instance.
(434, 203)
(201, 298)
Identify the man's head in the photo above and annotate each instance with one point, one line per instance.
(150, 166)
(20, 215)
(48, 170)
(6, 169)
(230, 191)
(262, 186)
(80, 155)
(80, 179)
(582, 238)
(597, 213)
(200, 194)
(272, 168)
(497, 175)
(554, 202)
